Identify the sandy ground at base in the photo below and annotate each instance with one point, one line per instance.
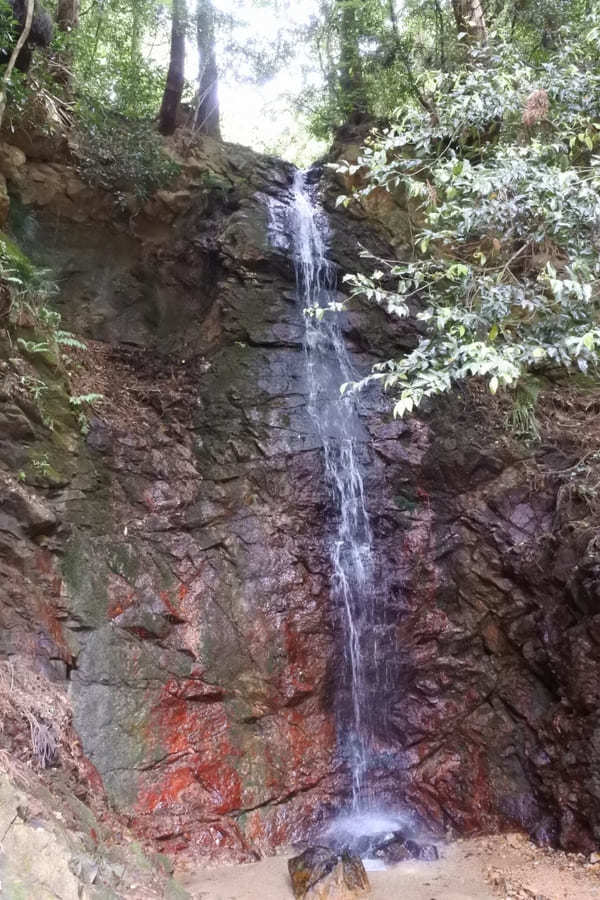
(507, 866)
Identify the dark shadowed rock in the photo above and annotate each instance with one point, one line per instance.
(394, 852)
(396, 848)
(427, 852)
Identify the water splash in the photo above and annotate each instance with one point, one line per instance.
(338, 425)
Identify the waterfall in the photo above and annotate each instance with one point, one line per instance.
(336, 420)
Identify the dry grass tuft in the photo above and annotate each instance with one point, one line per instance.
(34, 715)
(536, 108)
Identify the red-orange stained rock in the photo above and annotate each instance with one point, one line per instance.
(197, 732)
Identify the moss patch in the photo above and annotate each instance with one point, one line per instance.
(14, 260)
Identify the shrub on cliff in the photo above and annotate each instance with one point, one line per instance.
(503, 273)
(123, 156)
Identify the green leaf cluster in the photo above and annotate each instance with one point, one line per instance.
(503, 277)
(123, 156)
(117, 55)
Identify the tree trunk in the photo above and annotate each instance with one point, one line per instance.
(67, 14)
(175, 76)
(399, 52)
(470, 19)
(439, 26)
(67, 18)
(206, 112)
(354, 104)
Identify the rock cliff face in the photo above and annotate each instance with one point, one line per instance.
(170, 568)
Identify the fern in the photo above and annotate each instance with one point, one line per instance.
(66, 339)
(83, 399)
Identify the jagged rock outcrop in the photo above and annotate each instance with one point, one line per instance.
(54, 846)
(192, 573)
(172, 563)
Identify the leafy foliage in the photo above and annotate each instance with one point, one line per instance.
(504, 273)
(114, 54)
(400, 45)
(123, 156)
(31, 309)
(15, 266)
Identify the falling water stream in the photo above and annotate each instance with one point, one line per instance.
(300, 227)
(337, 422)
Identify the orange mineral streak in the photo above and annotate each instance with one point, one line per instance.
(119, 602)
(170, 789)
(89, 772)
(49, 603)
(200, 769)
(164, 596)
(311, 741)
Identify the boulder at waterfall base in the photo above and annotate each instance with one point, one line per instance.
(321, 874)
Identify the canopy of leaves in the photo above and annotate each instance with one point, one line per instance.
(503, 276)
(398, 43)
(118, 55)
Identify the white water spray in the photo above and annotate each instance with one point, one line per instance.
(337, 422)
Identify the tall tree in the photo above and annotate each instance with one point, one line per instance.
(67, 18)
(206, 111)
(470, 19)
(354, 96)
(175, 75)
(398, 49)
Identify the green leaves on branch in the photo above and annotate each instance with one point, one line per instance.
(118, 58)
(505, 274)
(123, 157)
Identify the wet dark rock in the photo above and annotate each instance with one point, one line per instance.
(427, 852)
(393, 853)
(367, 844)
(396, 847)
(179, 567)
(26, 509)
(362, 845)
(319, 873)
(313, 865)
(99, 437)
